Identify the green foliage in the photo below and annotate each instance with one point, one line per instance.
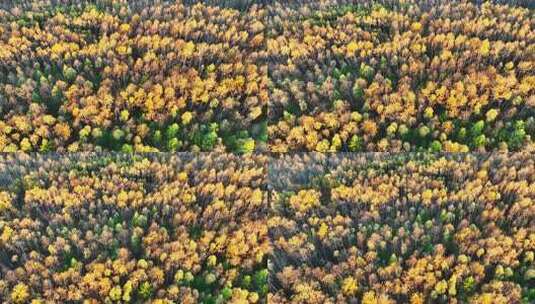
(172, 131)
(139, 220)
(246, 281)
(46, 146)
(246, 145)
(69, 73)
(36, 97)
(358, 92)
(355, 143)
(206, 137)
(477, 128)
(528, 295)
(436, 146)
(480, 141)
(366, 72)
(462, 134)
(157, 138)
(174, 144)
(126, 148)
(518, 135)
(469, 285)
(260, 132)
(260, 280)
(226, 293)
(145, 290)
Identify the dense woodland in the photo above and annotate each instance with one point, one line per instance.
(402, 228)
(98, 228)
(401, 75)
(255, 104)
(327, 76)
(132, 76)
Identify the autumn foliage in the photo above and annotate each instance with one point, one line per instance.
(232, 75)
(313, 151)
(401, 75)
(98, 228)
(402, 228)
(131, 76)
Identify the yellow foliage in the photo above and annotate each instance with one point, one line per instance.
(417, 298)
(20, 293)
(323, 230)
(491, 115)
(352, 48)
(441, 287)
(212, 261)
(256, 197)
(188, 49)
(253, 297)
(485, 47)
(188, 197)
(124, 28)
(305, 199)
(416, 26)
(427, 195)
(323, 146)
(369, 127)
(122, 198)
(183, 176)
(115, 293)
(62, 130)
(5, 201)
(486, 298)
(186, 117)
(349, 286)
(255, 112)
(60, 48)
(369, 298)
(6, 234)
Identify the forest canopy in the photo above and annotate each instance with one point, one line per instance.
(402, 228)
(132, 76)
(401, 75)
(110, 228)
